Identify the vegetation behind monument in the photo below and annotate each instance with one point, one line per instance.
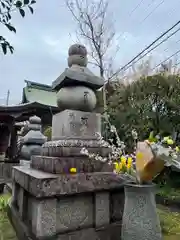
(7, 7)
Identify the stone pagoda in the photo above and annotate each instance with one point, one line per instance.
(33, 140)
(64, 194)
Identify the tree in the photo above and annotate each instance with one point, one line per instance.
(148, 104)
(94, 29)
(6, 9)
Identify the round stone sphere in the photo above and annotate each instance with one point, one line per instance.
(77, 60)
(76, 98)
(77, 49)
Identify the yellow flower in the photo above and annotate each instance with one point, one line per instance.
(120, 166)
(170, 141)
(129, 166)
(129, 160)
(116, 166)
(165, 139)
(123, 160)
(177, 149)
(73, 170)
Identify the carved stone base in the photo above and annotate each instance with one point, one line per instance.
(72, 148)
(66, 207)
(62, 165)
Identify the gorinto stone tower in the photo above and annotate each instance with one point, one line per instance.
(49, 200)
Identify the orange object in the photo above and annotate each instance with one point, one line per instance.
(147, 165)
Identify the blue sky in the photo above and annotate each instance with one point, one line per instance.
(42, 39)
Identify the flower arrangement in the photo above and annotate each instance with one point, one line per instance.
(163, 149)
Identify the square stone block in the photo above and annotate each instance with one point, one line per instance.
(44, 217)
(62, 165)
(74, 212)
(117, 205)
(75, 124)
(102, 211)
(41, 184)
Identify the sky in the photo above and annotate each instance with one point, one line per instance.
(42, 39)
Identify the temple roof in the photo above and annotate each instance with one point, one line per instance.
(22, 112)
(39, 93)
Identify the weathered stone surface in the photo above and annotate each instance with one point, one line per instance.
(44, 217)
(77, 73)
(24, 163)
(117, 206)
(6, 171)
(76, 98)
(140, 218)
(76, 124)
(110, 232)
(74, 213)
(75, 143)
(72, 148)
(73, 151)
(74, 76)
(41, 184)
(21, 202)
(29, 150)
(33, 140)
(62, 165)
(102, 209)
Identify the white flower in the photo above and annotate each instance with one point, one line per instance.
(84, 151)
(113, 129)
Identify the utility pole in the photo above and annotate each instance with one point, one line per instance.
(7, 98)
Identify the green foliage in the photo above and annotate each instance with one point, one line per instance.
(4, 202)
(6, 8)
(170, 223)
(149, 104)
(6, 229)
(48, 132)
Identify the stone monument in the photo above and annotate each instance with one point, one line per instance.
(32, 142)
(65, 195)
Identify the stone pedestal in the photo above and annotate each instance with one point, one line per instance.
(49, 200)
(80, 206)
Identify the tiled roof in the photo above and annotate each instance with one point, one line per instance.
(40, 93)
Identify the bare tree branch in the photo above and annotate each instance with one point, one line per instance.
(95, 30)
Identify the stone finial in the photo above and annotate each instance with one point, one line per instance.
(35, 120)
(76, 86)
(77, 55)
(34, 123)
(34, 135)
(77, 74)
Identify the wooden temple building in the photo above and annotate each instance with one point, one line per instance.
(38, 99)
